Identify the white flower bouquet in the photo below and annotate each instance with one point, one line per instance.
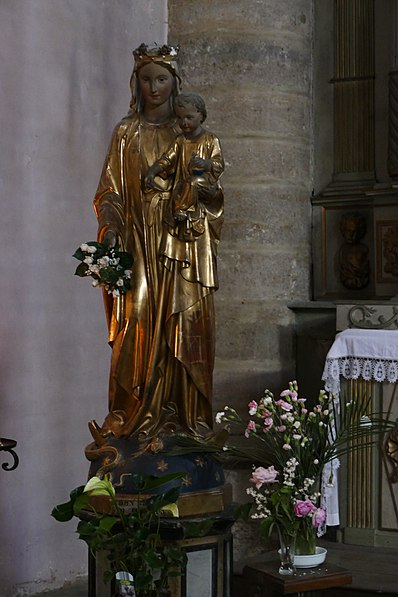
(109, 267)
(290, 444)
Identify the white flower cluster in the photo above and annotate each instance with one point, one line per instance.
(228, 414)
(108, 267)
(261, 502)
(220, 417)
(289, 472)
(306, 491)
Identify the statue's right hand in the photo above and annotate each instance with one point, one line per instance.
(110, 239)
(150, 184)
(149, 181)
(149, 178)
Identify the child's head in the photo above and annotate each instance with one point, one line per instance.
(184, 100)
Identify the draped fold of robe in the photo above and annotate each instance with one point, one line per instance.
(162, 331)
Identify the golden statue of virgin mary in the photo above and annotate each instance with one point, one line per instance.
(161, 332)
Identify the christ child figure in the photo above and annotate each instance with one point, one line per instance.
(194, 159)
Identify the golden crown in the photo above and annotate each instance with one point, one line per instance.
(144, 54)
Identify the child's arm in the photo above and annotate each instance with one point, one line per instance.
(216, 159)
(214, 164)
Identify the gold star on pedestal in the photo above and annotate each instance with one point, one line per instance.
(162, 465)
(187, 481)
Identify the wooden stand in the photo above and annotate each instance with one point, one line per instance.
(209, 568)
(262, 579)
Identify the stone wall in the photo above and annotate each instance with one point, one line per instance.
(251, 61)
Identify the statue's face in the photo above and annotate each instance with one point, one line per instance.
(156, 84)
(189, 119)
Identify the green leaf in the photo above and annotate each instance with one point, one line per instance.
(81, 502)
(81, 270)
(243, 511)
(108, 576)
(107, 523)
(97, 486)
(142, 579)
(63, 512)
(86, 528)
(152, 558)
(76, 492)
(151, 482)
(141, 534)
(126, 260)
(116, 539)
(157, 502)
(108, 275)
(78, 254)
(174, 554)
(266, 527)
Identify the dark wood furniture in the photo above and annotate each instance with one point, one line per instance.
(261, 579)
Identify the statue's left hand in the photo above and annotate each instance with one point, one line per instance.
(110, 239)
(198, 163)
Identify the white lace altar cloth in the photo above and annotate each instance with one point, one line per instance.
(355, 353)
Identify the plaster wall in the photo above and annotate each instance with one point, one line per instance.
(64, 69)
(252, 62)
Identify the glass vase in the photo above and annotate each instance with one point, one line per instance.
(306, 543)
(287, 543)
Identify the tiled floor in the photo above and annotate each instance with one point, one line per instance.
(78, 589)
(373, 569)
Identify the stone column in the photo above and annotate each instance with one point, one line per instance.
(354, 92)
(393, 104)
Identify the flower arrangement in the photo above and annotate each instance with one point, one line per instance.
(109, 267)
(132, 540)
(142, 541)
(292, 444)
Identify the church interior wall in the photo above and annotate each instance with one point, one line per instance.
(66, 71)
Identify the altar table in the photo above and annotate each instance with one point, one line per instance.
(365, 361)
(358, 353)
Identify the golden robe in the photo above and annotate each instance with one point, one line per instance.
(162, 331)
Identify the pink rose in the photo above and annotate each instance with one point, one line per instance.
(303, 507)
(318, 517)
(262, 475)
